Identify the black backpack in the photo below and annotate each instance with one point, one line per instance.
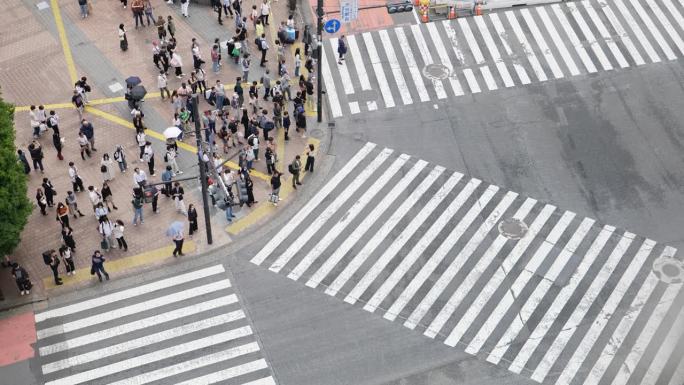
(290, 168)
(47, 257)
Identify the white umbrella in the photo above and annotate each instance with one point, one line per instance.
(172, 132)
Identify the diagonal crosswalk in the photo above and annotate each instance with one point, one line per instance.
(561, 300)
(499, 50)
(186, 329)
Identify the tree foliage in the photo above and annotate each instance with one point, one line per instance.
(15, 206)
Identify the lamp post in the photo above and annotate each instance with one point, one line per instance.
(203, 173)
(319, 48)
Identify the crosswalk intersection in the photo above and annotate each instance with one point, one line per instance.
(391, 68)
(185, 329)
(559, 299)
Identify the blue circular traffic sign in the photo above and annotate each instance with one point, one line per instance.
(332, 26)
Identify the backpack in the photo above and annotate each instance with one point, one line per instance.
(49, 122)
(269, 125)
(47, 257)
(252, 140)
(299, 110)
(166, 157)
(103, 168)
(290, 168)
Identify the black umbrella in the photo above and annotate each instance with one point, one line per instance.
(138, 92)
(133, 81)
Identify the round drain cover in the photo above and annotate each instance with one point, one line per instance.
(669, 270)
(512, 228)
(436, 71)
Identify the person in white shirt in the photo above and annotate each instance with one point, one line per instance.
(162, 85)
(176, 62)
(228, 178)
(76, 181)
(139, 177)
(170, 158)
(254, 142)
(141, 139)
(148, 156)
(105, 228)
(265, 12)
(184, 7)
(35, 123)
(94, 196)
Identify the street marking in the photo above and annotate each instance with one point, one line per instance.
(189, 365)
(534, 62)
(262, 381)
(412, 66)
(660, 16)
(227, 374)
(358, 207)
(551, 275)
(321, 219)
(534, 30)
(427, 59)
(519, 69)
(129, 345)
(438, 256)
(396, 68)
(377, 68)
(344, 72)
(589, 36)
(66, 49)
(605, 34)
(354, 107)
(666, 351)
(675, 14)
(574, 40)
(42, 5)
(558, 41)
(571, 324)
(624, 36)
(604, 316)
(142, 324)
(637, 31)
(133, 309)
(525, 275)
(335, 107)
(489, 79)
(472, 82)
(406, 263)
(129, 293)
(470, 39)
(494, 51)
(358, 63)
(427, 238)
(155, 356)
(457, 264)
(451, 34)
(444, 58)
(678, 374)
(371, 105)
(312, 204)
(654, 30)
(398, 242)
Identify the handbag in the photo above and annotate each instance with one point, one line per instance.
(92, 270)
(104, 244)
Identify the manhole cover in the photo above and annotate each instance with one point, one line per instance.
(669, 270)
(512, 228)
(436, 71)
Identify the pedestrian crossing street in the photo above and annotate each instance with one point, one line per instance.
(391, 68)
(185, 329)
(520, 283)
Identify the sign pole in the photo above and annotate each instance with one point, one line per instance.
(319, 48)
(203, 174)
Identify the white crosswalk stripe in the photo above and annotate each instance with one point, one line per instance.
(441, 261)
(561, 35)
(147, 338)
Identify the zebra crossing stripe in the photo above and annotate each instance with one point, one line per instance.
(189, 365)
(427, 59)
(151, 321)
(133, 309)
(676, 378)
(570, 32)
(262, 381)
(536, 34)
(624, 36)
(498, 27)
(312, 204)
(494, 51)
(561, 339)
(637, 31)
(129, 293)
(474, 274)
(608, 309)
(603, 31)
(418, 249)
(589, 36)
(344, 72)
(675, 13)
(457, 264)
(227, 374)
(129, 345)
(489, 79)
(358, 63)
(444, 58)
(666, 24)
(395, 67)
(470, 39)
(451, 34)
(354, 108)
(551, 275)
(377, 68)
(548, 24)
(348, 217)
(441, 253)
(534, 62)
(398, 242)
(472, 82)
(654, 31)
(401, 240)
(321, 219)
(665, 351)
(412, 66)
(335, 107)
(525, 275)
(155, 356)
